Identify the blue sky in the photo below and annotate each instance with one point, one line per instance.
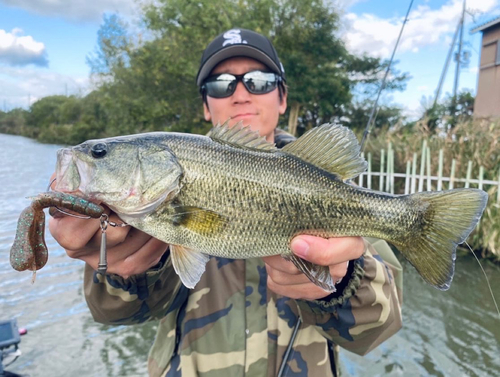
(44, 43)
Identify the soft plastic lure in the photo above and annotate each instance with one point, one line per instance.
(29, 251)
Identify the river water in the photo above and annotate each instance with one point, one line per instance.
(452, 333)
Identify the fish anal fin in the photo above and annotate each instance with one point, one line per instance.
(199, 220)
(188, 264)
(319, 275)
(241, 136)
(331, 147)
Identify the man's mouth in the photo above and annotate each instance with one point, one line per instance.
(243, 116)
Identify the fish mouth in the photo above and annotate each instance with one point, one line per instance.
(76, 176)
(67, 175)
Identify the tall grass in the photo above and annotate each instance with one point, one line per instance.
(477, 141)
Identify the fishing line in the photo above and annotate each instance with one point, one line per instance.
(382, 85)
(486, 276)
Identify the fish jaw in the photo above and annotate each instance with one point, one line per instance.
(127, 179)
(67, 174)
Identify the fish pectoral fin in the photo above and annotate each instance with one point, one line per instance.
(199, 220)
(188, 264)
(331, 147)
(319, 275)
(240, 136)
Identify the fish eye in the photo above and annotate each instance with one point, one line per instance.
(99, 150)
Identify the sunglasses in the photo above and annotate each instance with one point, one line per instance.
(256, 82)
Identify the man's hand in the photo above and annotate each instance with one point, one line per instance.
(129, 251)
(285, 279)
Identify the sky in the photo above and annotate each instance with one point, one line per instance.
(44, 44)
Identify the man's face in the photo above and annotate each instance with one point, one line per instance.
(260, 111)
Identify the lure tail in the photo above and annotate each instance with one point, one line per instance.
(29, 251)
(447, 221)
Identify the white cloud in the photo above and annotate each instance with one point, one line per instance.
(75, 10)
(19, 50)
(20, 86)
(376, 36)
(474, 70)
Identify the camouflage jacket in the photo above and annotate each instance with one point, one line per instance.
(231, 324)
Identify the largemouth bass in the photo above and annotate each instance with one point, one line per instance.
(234, 195)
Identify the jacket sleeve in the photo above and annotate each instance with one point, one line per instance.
(366, 310)
(117, 301)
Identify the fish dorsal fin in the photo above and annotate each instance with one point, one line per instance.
(189, 264)
(331, 147)
(240, 136)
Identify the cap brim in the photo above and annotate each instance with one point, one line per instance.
(232, 52)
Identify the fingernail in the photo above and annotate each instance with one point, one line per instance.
(300, 247)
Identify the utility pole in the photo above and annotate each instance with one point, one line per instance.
(459, 61)
(446, 64)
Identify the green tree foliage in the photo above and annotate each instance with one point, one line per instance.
(358, 114)
(449, 112)
(145, 79)
(13, 122)
(155, 85)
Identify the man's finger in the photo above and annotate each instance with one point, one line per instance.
(327, 252)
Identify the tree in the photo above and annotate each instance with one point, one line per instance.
(112, 46)
(152, 83)
(13, 122)
(448, 113)
(357, 115)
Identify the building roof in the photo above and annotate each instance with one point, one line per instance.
(486, 25)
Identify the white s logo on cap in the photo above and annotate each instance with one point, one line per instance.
(232, 37)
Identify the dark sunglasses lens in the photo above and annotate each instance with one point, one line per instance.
(258, 82)
(221, 86)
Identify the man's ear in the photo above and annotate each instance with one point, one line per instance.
(282, 107)
(206, 112)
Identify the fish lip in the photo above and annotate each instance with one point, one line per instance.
(65, 161)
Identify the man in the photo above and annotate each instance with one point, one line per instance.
(255, 317)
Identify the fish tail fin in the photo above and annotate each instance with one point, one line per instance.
(447, 220)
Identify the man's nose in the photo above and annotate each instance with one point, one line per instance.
(241, 93)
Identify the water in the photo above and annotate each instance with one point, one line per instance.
(453, 333)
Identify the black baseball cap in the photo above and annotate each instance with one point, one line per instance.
(239, 42)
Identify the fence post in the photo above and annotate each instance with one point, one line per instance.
(392, 171)
(481, 173)
(469, 172)
(429, 180)
(422, 167)
(440, 171)
(369, 177)
(388, 169)
(407, 178)
(360, 178)
(381, 178)
(498, 188)
(452, 173)
(414, 174)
